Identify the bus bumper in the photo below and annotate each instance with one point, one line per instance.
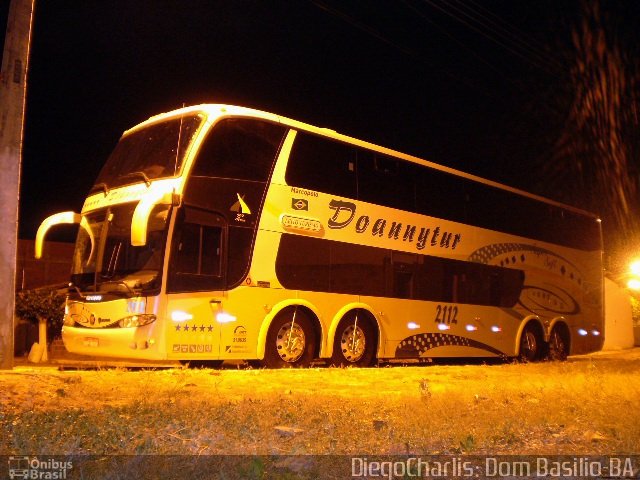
(134, 342)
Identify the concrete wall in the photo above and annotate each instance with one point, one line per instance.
(618, 322)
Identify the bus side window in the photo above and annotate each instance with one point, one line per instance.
(198, 250)
(196, 258)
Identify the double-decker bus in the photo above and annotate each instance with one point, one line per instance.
(218, 232)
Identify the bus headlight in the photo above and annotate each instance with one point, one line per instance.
(136, 320)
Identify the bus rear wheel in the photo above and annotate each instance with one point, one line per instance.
(558, 344)
(354, 341)
(530, 344)
(290, 341)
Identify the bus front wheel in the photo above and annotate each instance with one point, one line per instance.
(290, 341)
(355, 341)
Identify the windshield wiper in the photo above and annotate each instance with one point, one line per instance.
(125, 284)
(75, 287)
(138, 173)
(100, 186)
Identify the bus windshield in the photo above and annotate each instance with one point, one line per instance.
(150, 153)
(105, 261)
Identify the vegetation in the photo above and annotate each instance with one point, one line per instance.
(595, 160)
(46, 303)
(635, 310)
(584, 406)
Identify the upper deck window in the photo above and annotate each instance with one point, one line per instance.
(324, 165)
(239, 148)
(152, 152)
(338, 168)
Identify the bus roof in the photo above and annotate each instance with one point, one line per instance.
(217, 111)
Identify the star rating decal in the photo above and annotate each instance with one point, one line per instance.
(194, 328)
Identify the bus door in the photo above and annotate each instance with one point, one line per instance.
(195, 282)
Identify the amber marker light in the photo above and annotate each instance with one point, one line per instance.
(225, 317)
(180, 316)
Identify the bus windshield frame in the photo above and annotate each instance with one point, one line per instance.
(104, 261)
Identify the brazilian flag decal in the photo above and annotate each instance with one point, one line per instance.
(299, 204)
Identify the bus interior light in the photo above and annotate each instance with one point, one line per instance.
(595, 333)
(582, 332)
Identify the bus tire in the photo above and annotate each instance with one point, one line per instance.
(355, 341)
(290, 341)
(530, 344)
(558, 348)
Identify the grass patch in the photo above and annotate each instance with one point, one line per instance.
(584, 406)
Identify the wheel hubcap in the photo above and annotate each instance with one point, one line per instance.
(353, 343)
(290, 342)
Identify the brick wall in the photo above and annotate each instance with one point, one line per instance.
(53, 268)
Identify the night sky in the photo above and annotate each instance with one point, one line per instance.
(473, 84)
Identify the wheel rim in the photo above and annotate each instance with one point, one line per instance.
(353, 343)
(529, 347)
(290, 342)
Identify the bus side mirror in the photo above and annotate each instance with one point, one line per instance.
(62, 218)
(141, 214)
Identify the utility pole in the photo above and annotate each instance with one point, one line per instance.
(13, 89)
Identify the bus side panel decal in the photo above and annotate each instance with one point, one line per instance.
(418, 345)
